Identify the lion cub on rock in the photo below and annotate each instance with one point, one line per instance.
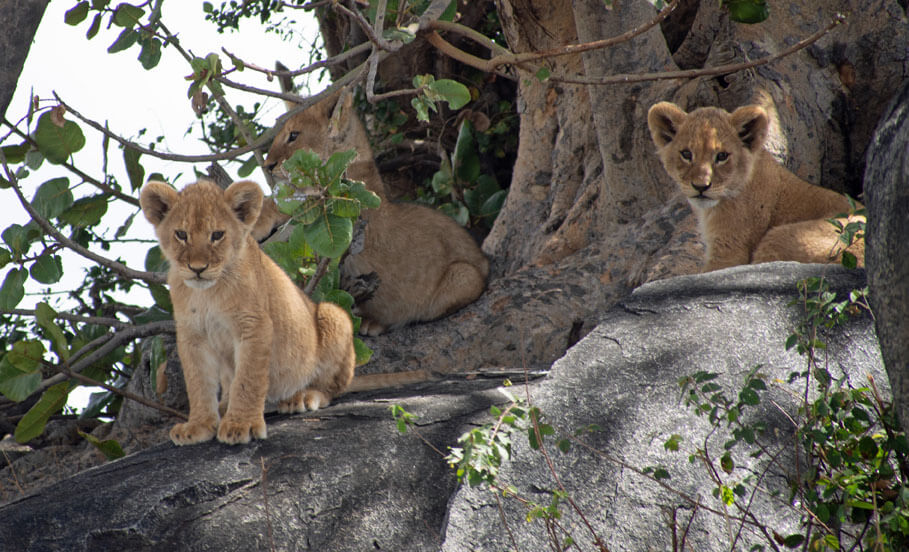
(427, 265)
(241, 322)
(750, 209)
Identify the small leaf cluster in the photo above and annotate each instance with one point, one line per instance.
(138, 23)
(460, 188)
(850, 232)
(323, 206)
(455, 94)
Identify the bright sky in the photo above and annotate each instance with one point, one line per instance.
(116, 89)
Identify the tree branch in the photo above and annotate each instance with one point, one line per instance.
(707, 71)
(97, 320)
(120, 268)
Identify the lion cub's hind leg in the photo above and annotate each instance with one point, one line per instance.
(810, 241)
(337, 358)
(461, 284)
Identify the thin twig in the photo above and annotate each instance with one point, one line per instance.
(120, 268)
(100, 321)
(320, 272)
(116, 390)
(706, 71)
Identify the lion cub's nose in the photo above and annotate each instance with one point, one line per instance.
(198, 270)
(700, 188)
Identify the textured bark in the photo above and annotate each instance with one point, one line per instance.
(18, 24)
(887, 255)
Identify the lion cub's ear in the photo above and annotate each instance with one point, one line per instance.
(245, 200)
(664, 120)
(156, 199)
(752, 124)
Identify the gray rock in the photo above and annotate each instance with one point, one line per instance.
(887, 255)
(623, 377)
(344, 479)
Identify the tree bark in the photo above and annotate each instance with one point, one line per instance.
(19, 23)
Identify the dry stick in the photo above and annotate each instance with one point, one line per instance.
(320, 271)
(122, 392)
(334, 60)
(707, 71)
(120, 268)
(73, 169)
(501, 509)
(97, 320)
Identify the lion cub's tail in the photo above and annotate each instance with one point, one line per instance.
(370, 382)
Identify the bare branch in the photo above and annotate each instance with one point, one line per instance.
(707, 71)
(98, 320)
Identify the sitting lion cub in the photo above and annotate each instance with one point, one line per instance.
(427, 266)
(750, 209)
(241, 321)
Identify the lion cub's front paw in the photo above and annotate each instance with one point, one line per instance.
(233, 431)
(190, 433)
(308, 399)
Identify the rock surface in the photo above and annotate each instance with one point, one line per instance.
(887, 257)
(344, 479)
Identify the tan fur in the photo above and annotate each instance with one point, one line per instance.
(427, 265)
(750, 208)
(242, 324)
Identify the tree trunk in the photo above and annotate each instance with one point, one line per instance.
(590, 213)
(19, 23)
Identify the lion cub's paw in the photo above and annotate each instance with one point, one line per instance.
(235, 432)
(371, 328)
(301, 401)
(190, 433)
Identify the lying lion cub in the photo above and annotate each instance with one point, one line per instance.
(427, 265)
(750, 209)
(241, 321)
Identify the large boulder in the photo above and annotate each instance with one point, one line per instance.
(344, 479)
(887, 255)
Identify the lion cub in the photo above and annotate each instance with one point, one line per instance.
(750, 209)
(426, 264)
(241, 322)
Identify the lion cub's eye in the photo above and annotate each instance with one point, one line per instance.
(180, 235)
(292, 137)
(215, 236)
(722, 156)
(686, 154)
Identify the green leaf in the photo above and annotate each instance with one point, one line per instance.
(76, 14)
(47, 269)
(53, 198)
(15, 154)
(127, 15)
(335, 167)
(17, 385)
(543, 74)
(127, 38)
(794, 540)
(45, 317)
(51, 402)
(849, 260)
(34, 159)
(362, 351)
(109, 447)
(726, 463)
(673, 442)
(150, 54)
(456, 94)
(161, 296)
(465, 160)
(13, 289)
(247, 167)
(749, 396)
(134, 170)
(330, 235)
(5, 257)
(155, 260)
(343, 207)
(58, 143)
(422, 106)
(94, 27)
(19, 238)
(85, 211)
(747, 11)
(366, 198)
